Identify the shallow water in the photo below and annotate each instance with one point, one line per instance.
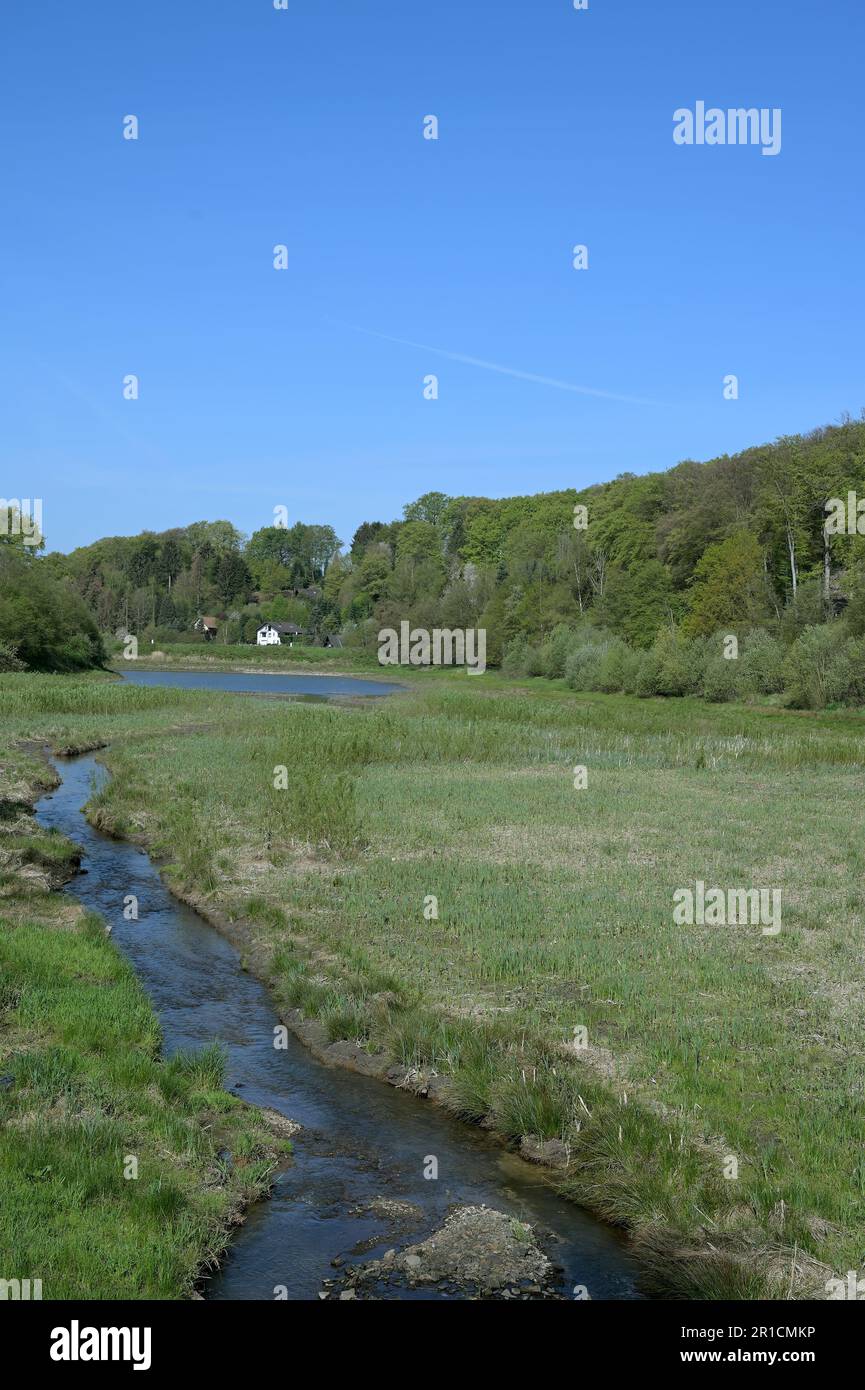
(261, 683)
(361, 1139)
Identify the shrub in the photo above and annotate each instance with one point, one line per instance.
(680, 663)
(534, 663)
(613, 665)
(555, 652)
(763, 663)
(856, 685)
(632, 668)
(722, 679)
(818, 670)
(9, 659)
(582, 666)
(515, 657)
(648, 681)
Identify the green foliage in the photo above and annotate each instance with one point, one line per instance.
(731, 545)
(819, 670)
(823, 666)
(722, 679)
(297, 554)
(43, 625)
(763, 663)
(9, 659)
(727, 585)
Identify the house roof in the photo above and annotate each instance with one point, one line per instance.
(209, 622)
(291, 628)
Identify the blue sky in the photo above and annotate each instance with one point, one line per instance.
(261, 388)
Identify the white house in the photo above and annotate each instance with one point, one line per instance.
(273, 633)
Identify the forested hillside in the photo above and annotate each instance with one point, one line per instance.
(739, 543)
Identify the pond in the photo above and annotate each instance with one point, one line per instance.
(263, 683)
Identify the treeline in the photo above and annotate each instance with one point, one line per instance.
(734, 545)
(638, 583)
(161, 584)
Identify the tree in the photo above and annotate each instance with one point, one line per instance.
(418, 540)
(430, 508)
(43, 621)
(366, 532)
(217, 535)
(303, 552)
(728, 586)
(233, 580)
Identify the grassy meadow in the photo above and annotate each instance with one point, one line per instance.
(554, 913)
(83, 1086)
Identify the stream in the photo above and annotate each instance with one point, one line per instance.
(361, 1141)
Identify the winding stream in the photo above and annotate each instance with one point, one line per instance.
(361, 1140)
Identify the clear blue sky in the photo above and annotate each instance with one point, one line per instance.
(304, 127)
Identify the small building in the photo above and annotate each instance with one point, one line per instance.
(272, 634)
(209, 626)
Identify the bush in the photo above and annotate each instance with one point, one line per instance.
(632, 667)
(534, 662)
(763, 663)
(515, 657)
(612, 667)
(43, 619)
(555, 652)
(9, 659)
(818, 670)
(856, 657)
(647, 680)
(583, 665)
(722, 679)
(680, 664)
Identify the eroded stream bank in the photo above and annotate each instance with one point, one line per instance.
(356, 1187)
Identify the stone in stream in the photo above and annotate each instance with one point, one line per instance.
(278, 1123)
(477, 1249)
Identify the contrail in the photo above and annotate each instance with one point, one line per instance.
(503, 371)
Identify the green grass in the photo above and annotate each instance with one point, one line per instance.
(85, 1090)
(554, 912)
